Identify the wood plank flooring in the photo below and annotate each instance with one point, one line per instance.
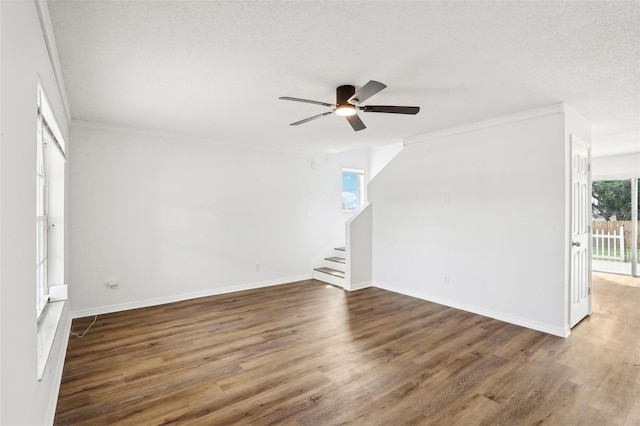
(311, 354)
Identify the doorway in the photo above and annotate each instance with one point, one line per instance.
(615, 226)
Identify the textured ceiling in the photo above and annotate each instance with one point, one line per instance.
(215, 70)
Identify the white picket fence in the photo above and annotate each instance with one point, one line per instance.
(609, 246)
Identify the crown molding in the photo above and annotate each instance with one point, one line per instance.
(493, 122)
(95, 125)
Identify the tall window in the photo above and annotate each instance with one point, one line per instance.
(352, 189)
(50, 166)
(41, 220)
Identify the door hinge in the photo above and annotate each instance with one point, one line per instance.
(589, 167)
(589, 290)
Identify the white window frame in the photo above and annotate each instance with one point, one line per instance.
(48, 136)
(360, 188)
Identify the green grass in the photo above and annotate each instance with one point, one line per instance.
(616, 253)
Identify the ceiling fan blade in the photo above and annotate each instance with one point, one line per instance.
(413, 110)
(355, 122)
(366, 91)
(311, 118)
(288, 98)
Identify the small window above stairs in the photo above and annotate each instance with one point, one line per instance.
(333, 268)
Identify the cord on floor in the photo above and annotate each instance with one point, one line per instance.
(80, 336)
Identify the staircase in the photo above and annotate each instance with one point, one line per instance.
(333, 268)
(349, 264)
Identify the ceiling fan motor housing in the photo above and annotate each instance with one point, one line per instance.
(343, 106)
(343, 93)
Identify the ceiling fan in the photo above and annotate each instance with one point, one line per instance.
(348, 101)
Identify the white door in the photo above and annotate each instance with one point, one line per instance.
(580, 288)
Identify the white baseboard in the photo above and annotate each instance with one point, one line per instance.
(511, 319)
(186, 296)
(360, 286)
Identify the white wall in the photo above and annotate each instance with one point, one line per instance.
(1, 239)
(380, 156)
(484, 207)
(1, 280)
(173, 218)
(25, 400)
(359, 240)
(616, 167)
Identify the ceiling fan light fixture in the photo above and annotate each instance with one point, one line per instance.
(348, 102)
(346, 110)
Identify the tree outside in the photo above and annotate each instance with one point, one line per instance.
(612, 199)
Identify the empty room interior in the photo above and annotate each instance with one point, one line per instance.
(319, 212)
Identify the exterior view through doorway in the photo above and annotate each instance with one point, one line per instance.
(615, 226)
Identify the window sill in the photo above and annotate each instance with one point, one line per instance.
(47, 327)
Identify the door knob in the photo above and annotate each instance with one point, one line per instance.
(576, 243)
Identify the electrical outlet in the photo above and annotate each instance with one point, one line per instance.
(446, 279)
(257, 266)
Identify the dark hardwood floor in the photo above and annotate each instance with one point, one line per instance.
(311, 354)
